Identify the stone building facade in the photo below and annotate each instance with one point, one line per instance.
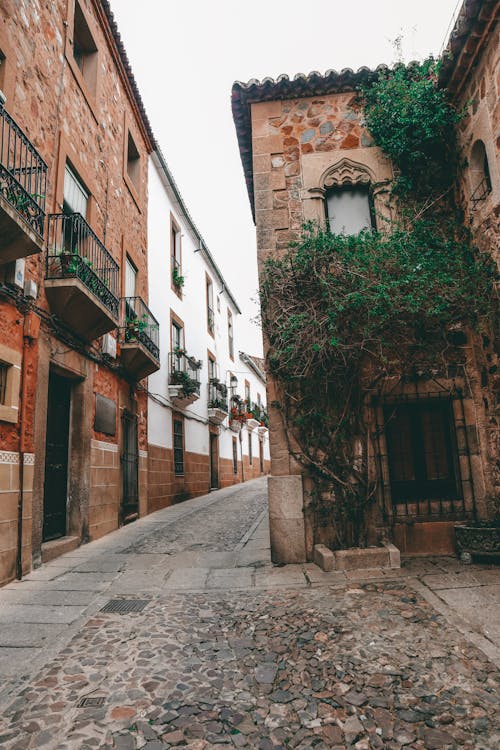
(303, 142)
(73, 275)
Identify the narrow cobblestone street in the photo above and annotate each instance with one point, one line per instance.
(226, 649)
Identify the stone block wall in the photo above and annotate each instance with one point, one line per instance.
(475, 87)
(9, 500)
(104, 505)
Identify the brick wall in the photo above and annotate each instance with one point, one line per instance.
(66, 119)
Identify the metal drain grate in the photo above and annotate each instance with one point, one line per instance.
(90, 702)
(124, 606)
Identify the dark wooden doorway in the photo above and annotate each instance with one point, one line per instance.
(55, 489)
(261, 456)
(214, 461)
(130, 468)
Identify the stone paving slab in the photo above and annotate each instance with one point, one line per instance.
(26, 613)
(50, 597)
(230, 578)
(28, 634)
(480, 605)
(11, 656)
(187, 578)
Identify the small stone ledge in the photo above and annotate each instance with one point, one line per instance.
(358, 558)
(324, 558)
(58, 547)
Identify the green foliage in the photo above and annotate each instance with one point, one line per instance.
(342, 312)
(413, 121)
(349, 298)
(177, 279)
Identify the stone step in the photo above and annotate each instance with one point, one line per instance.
(58, 547)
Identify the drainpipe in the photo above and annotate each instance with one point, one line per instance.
(241, 451)
(22, 416)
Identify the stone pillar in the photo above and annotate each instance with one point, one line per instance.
(286, 519)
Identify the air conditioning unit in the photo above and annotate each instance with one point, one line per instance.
(109, 345)
(30, 289)
(14, 274)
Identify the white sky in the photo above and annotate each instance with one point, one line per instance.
(185, 57)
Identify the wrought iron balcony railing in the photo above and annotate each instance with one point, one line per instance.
(140, 325)
(217, 395)
(184, 371)
(23, 173)
(74, 251)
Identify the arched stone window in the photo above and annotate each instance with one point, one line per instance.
(479, 172)
(348, 197)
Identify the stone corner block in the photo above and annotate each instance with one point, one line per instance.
(324, 558)
(286, 497)
(394, 555)
(359, 558)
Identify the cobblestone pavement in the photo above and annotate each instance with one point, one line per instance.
(208, 530)
(229, 650)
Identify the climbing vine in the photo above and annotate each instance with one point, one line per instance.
(341, 313)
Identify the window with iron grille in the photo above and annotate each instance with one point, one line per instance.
(422, 451)
(210, 306)
(176, 256)
(178, 447)
(4, 369)
(235, 456)
(250, 455)
(230, 333)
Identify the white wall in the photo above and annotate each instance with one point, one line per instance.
(191, 309)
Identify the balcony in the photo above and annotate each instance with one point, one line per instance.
(238, 414)
(254, 415)
(217, 401)
(23, 185)
(82, 278)
(140, 333)
(184, 378)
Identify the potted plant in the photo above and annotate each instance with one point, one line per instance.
(177, 279)
(477, 538)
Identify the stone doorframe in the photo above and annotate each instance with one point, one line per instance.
(75, 367)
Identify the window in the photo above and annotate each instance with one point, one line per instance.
(349, 209)
(212, 368)
(259, 401)
(480, 173)
(2, 71)
(10, 372)
(210, 307)
(230, 333)
(178, 447)
(177, 336)
(3, 382)
(176, 258)
(76, 197)
(422, 452)
(235, 456)
(133, 162)
(247, 391)
(250, 456)
(130, 278)
(84, 49)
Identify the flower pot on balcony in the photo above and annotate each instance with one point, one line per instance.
(477, 538)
